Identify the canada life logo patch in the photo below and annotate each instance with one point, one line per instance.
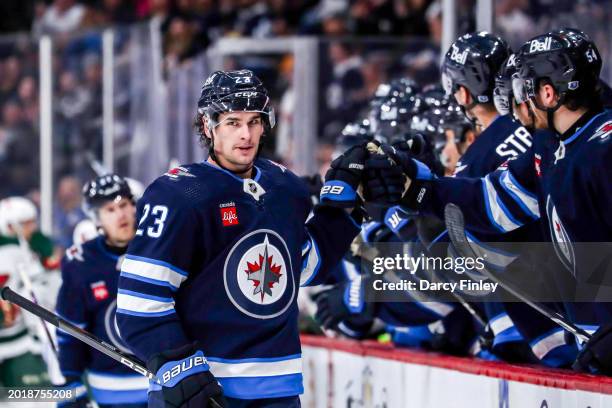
(99, 290)
(258, 276)
(229, 215)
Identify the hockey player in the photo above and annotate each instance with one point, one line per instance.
(88, 299)
(209, 283)
(556, 88)
(20, 361)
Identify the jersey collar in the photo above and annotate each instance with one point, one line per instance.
(235, 177)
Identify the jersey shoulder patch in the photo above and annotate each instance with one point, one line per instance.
(603, 132)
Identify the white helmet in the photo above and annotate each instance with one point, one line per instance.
(15, 210)
(84, 231)
(136, 187)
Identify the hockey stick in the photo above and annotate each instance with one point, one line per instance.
(129, 361)
(455, 224)
(27, 283)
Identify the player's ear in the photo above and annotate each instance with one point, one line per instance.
(462, 95)
(205, 121)
(470, 136)
(547, 95)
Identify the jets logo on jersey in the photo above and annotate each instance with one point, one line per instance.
(561, 240)
(258, 276)
(99, 290)
(280, 166)
(602, 132)
(75, 252)
(177, 172)
(111, 328)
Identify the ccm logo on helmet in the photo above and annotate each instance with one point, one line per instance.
(246, 94)
(458, 57)
(332, 190)
(537, 45)
(183, 366)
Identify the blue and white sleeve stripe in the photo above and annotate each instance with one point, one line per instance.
(147, 287)
(153, 271)
(311, 261)
(498, 213)
(525, 199)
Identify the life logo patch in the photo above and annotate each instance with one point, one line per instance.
(258, 275)
(99, 290)
(229, 215)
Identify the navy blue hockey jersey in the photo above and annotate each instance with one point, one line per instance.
(502, 140)
(88, 299)
(564, 182)
(218, 259)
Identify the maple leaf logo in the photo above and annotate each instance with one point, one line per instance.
(264, 273)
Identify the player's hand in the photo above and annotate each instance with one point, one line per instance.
(394, 177)
(596, 355)
(9, 313)
(193, 386)
(344, 177)
(343, 308)
(81, 399)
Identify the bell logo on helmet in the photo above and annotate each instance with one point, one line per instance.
(511, 61)
(457, 56)
(539, 46)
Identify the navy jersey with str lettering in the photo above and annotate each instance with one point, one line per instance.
(563, 181)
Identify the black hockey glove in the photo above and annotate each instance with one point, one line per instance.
(343, 308)
(343, 178)
(81, 400)
(314, 184)
(186, 381)
(393, 177)
(596, 355)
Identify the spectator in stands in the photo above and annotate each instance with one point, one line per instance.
(20, 165)
(27, 93)
(343, 93)
(9, 78)
(68, 212)
(63, 16)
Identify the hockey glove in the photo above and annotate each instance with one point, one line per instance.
(314, 184)
(400, 222)
(185, 379)
(343, 308)
(81, 400)
(394, 177)
(596, 355)
(342, 180)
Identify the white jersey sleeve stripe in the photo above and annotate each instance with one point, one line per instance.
(222, 368)
(497, 212)
(150, 270)
(127, 303)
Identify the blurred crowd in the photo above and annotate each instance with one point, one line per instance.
(363, 43)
